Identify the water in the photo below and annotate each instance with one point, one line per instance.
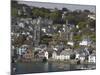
(40, 67)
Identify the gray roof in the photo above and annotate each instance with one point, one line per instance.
(66, 52)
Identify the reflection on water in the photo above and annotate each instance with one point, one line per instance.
(39, 67)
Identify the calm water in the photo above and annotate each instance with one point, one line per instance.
(39, 67)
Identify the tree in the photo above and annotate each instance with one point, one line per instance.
(14, 3)
(14, 12)
(77, 37)
(18, 41)
(82, 25)
(93, 37)
(72, 56)
(65, 9)
(55, 15)
(86, 11)
(70, 18)
(45, 39)
(42, 12)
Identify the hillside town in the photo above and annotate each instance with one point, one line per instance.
(40, 34)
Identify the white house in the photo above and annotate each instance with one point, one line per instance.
(54, 55)
(55, 49)
(82, 57)
(46, 54)
(92, 16)
(43, 53)
(19, 12)
(77, 26)
(92, 58)
(85, 42)
(63, 55)
(23, 33)
(77, 56)
(70, 43)
(44, 30)
(21, 24)
(22, 49)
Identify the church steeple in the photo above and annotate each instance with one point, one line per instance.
(37, 32)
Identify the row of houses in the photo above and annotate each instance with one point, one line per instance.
(63, 55)
(68, 53)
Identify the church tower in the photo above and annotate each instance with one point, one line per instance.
(37, 32)
(68, 32)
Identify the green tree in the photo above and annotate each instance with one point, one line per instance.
(14, 12)
(55, 15)
(82, 25)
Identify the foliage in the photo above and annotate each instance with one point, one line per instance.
(77, 37)
(14, 12)
(45, 39)
(18, 41)
(82, 25)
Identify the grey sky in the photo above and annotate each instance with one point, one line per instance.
(59, 5)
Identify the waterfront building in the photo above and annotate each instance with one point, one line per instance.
(22, 49)
(28, 55)
(63, 55)
(43, 54)
(46, 54)
(92, 58)
(82, 57)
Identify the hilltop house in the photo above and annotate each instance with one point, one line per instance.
(70, 43)
(92, 16)
(85, 42)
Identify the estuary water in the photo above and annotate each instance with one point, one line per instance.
(40, 67)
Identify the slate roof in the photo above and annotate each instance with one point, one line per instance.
(66, 52)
